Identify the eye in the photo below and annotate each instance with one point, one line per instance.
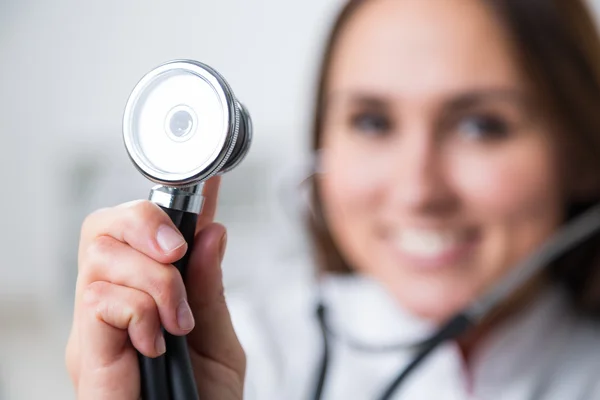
(374, 123)
(484, 126)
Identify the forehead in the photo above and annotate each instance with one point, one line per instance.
(420, 47)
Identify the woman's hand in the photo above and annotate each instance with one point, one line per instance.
(127, 288)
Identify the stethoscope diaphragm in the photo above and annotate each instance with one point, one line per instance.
(183, 124)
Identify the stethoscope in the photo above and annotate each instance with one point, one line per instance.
(182, 125)
(570, 236)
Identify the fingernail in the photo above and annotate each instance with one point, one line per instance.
(161, 346)
(169, 239)
(222, 246)
(185, 319)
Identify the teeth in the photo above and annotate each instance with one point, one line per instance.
(426, 243)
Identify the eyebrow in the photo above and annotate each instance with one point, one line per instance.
(473, 98)
(369, 100)
(362, 99)
(457, 101)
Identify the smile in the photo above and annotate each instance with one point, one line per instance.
(432, 248)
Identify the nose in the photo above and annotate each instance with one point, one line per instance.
(420, 185)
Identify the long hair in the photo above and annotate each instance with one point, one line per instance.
(559, 50)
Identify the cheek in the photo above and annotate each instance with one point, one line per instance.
(349, 181)
(508, 185)
(352, 189)
(515, 196)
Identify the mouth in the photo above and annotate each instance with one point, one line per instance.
(432, 249)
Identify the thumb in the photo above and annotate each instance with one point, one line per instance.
(213, 336)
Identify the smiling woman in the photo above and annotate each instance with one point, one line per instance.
(449, 175)
(441, 146)
(454, 138)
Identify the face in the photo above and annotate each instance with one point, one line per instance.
(440, 172)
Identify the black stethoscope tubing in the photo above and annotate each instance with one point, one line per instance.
(571, 235)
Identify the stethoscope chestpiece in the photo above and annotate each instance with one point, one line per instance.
(183, 125)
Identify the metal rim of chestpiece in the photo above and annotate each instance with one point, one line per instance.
(182, 124)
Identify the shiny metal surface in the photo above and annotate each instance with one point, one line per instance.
(195, 152)
(243, 143)
(188, 199)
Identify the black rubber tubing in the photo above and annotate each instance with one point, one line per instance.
(451, 330)
(170, 376)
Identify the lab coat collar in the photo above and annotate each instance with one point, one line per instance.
(511, 356)
(360, 309)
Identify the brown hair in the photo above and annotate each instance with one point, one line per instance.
(559, 49)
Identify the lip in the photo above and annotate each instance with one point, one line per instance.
(453, 257)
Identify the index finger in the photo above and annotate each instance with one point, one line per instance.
(209, 208)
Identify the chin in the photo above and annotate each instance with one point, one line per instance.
(436, 303)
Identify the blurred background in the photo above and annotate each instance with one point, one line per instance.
(66, 70)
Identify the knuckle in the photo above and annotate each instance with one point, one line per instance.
(144, 211)
(144, 304)
(164, 284)
(139, 218)
(99, 251)
(143, 307)
(91, 220)
(94, 293)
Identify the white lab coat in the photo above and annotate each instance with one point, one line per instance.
(546, 352)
